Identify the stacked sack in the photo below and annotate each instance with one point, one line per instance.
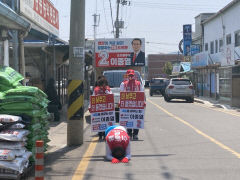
(14, 157)
(28, 102)
(9, 78)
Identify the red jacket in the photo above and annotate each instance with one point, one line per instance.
(116, 138)
(101, 90)
(132, 85)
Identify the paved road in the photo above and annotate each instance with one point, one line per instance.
(181, 141)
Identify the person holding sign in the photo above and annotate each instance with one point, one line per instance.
(132, 85)
(100, 89)
(117, 144)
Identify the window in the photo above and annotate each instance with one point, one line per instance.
(228, 39)
(206, 46)
(220, 45)
(212, 47)
(237, 38)
(216, 46)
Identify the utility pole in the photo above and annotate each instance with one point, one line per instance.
(76, 73)
(117, 20)
(96, 19)
(120, 24)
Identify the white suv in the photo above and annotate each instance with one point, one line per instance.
(179, 88)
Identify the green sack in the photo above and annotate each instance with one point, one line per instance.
(27, 90)
(19, 106)
(9, 76)
(31, 113)
(23, 98)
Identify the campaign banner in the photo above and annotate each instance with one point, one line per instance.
(120, 52)
(102, 112)
(132, 111)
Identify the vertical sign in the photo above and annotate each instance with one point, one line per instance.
(187, 39)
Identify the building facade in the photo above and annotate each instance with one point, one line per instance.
(216, 66)
(156, 63)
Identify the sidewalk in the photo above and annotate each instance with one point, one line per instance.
(214, 103)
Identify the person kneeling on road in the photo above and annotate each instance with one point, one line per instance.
(117, 144)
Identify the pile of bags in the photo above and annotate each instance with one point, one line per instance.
(30, 105)
(13, 154)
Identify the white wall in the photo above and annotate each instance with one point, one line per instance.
(213, 30)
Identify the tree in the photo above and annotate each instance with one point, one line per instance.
(168, 68)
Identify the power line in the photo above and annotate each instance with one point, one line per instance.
(105, 17)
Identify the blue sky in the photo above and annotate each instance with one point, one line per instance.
(158, 21)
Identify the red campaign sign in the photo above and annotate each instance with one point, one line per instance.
(132, 100)
(101, 103)
(106, 59)
(47, 11)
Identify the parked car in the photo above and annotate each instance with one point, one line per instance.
(179, 88)
(146, 84)
(158, 86)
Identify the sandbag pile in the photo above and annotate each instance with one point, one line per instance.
(14, 157)
(30, 103)
(9, 78)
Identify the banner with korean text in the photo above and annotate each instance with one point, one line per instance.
(120, 52)
(132, 110)
(102, 112)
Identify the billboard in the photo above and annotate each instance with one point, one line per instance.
(41, 12)
(120, 52)
(187, 39)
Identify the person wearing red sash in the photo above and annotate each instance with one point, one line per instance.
(131, 85)
(100, 89)
(117, 144)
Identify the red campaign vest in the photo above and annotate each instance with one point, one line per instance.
(116, 138)
(101, 90)
(132, 85)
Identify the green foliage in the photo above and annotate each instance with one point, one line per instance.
(168, 68)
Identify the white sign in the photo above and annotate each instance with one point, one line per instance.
(41, 12)
(78, 52)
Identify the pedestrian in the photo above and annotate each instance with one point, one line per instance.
(132, 84)
(54, 105)
(100, 89)
(117, 144)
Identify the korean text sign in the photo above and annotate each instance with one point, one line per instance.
(102, 112)
(132, 110)
(118, 52)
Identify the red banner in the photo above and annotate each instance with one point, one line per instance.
(102, 103)
(132, 100)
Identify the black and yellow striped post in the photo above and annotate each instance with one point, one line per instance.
(75, 112)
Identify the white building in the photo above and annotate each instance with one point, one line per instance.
(216, 67)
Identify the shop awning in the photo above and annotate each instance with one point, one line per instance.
(11, 20)
(185, 66)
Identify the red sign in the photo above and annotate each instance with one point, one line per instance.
(102, 103)
(47, 11)
(132, 100)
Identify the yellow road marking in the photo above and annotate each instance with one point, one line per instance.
(80, 171)
(198, 131)
(220, 110)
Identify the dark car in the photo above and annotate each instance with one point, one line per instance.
(158, 86)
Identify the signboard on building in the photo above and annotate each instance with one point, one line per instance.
(228, 56)
(187, 39)
(42, 13)
(195, 48)
(200, 59)
(120, 52)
